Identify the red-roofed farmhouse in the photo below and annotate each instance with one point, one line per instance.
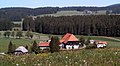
(69, 41)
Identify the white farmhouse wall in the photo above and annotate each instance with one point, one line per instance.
(44, 48)
(68, 46)
(76, 46)
(100, 45)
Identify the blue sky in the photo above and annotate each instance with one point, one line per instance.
(54, 3)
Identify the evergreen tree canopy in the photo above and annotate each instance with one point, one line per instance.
(92, 25)
(54, 44)
(11, 48)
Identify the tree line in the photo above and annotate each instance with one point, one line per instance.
(98, 25)
(17, 34)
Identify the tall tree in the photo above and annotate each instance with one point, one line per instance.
(0, 34)
(54, 44)
(11, 48)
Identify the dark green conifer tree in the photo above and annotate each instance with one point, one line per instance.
(54, 44)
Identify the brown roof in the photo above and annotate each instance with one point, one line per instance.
(44, 44)
(68, 37)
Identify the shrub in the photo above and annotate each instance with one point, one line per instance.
(82, 40)
(35, 48)
(19, 34)
(91, 46)
(7, 34)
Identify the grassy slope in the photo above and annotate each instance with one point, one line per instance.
(18, 42)
(63, 13)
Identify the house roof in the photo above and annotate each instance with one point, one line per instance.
(68, 37)
(44, 44)
(21, 48)
(102, 42)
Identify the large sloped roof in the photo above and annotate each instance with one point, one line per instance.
(68, 37)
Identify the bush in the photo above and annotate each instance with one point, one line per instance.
(29, 34)
(19, 34)
(7, 34)
(35, 48)
(82, 40)
(91, 46)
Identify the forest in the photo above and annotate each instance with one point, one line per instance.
(95, 25)
(5, 24)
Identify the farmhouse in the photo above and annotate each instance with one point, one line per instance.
(69, 41)
(21, 50)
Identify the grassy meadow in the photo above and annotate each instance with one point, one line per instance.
(4, 42)
(91, 57)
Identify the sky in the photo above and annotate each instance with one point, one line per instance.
(55, 3)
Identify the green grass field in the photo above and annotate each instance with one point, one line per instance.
(18, 42)
(91, 57)
(63, 13)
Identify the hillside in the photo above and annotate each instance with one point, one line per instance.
(16, 13)
(77, 13)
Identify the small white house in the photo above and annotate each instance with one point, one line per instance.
(101, 44)
(21, 50)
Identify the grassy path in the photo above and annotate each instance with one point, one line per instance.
(112, 38)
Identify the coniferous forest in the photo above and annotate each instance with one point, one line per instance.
(97, 25)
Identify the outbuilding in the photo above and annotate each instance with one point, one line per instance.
(21, 50)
